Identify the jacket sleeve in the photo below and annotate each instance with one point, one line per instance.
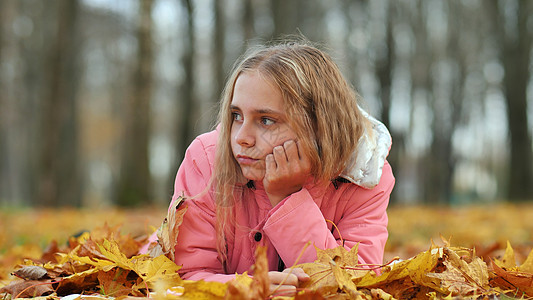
(298, 219)
(196, 248)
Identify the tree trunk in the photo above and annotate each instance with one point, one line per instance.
(422, 84)
(135, 181)
(5, 165)
(515, 57)
(186, 91)
(219, 51)
(516, 60)
(284, 16)
(59, 168)
(248, 20)
(447, 115)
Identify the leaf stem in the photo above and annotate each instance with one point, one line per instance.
(37, 284)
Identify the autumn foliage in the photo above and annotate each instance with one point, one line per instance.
(104, 263)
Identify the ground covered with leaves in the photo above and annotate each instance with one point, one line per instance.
(485, 253)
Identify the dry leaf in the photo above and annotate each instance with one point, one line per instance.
(258, 287)
(31, 272)
(508, 261)
(28, 288)
(518, 282)
(167, 233)
(321, 272)
(527, 265)
(344, 281)
(114, 283)
(462, 278)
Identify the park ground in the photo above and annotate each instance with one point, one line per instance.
(412, 229)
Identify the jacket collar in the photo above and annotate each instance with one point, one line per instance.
(365, 166)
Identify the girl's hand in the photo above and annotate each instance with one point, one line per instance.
(285, 283)
(286, 171)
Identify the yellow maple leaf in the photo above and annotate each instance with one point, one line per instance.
(339, 255)
(508, 261)
(330, 267)
(111, 251)
(189, 289)
(320, 278)
(169, 229)
(159, 270)
(462, 278)
(527, 265)
(344, 281)
(415, 269)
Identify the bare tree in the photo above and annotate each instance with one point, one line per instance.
(186, 93)
(219, 45)
(422, 85)
(447, 109)
(134, 185)
(286, 17)
(384, 71)
(5, 191)
(59, 169)
(515, 39)
(248, 20)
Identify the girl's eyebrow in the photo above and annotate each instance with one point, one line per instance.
(260, 111)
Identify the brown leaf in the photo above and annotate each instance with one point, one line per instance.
(261, 286)
(49, 254)
(517, 281)
(31, 272)
(258, 287)
(78, 283)
(28, 288)
(114, 283)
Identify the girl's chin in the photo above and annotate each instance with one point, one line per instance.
(253, 173)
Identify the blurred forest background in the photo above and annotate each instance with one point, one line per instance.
(100, 98)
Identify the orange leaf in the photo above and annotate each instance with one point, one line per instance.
(114, 283)
(258, 287)
(517, 281)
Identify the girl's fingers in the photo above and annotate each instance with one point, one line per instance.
(299, 272)
(291, 150)
(279, 155)
(270, 163)
(277, 278)
(283, 290)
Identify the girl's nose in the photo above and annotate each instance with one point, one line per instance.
(245, 136)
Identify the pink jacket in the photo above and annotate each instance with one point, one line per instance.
(359, 213)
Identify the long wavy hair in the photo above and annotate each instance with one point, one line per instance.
(324, 115)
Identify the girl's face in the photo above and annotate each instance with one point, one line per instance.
(259, 123)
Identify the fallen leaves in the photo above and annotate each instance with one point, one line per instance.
(97, 263)
(104, 263)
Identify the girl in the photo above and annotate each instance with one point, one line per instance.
(292, 155)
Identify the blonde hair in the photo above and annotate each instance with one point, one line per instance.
(324, 115)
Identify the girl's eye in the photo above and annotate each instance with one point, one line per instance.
(236, 116)
(267, 121)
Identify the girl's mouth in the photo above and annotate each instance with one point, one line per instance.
(246, 160)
